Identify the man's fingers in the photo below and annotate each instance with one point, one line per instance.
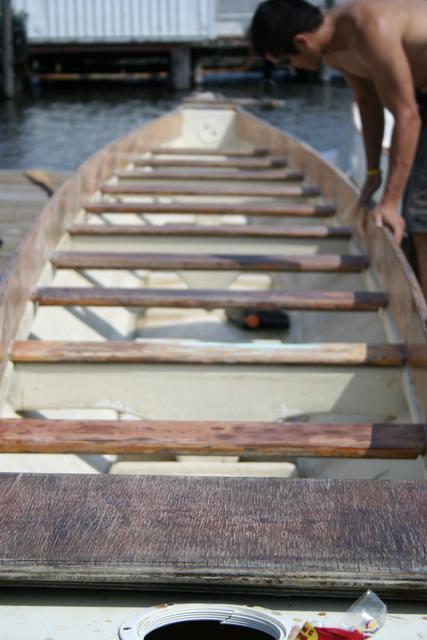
(378, 218)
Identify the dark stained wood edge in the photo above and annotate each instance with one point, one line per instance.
(274, 175)
(211, 262)
(198, 188)
(276, 209)
(242, 163)
(220, 231)
(179, 351)
(212, 299)
(253, 152)
(277, 535)
(252, 440)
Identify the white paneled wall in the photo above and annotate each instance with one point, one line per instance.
(118, 20)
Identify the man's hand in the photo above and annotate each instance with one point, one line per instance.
(372, 184)
(389, 216)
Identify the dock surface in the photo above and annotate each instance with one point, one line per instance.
(20, 203)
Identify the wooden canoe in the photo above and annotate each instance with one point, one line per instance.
(147, 442)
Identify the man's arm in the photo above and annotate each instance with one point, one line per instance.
(378, 45)
(372, 116)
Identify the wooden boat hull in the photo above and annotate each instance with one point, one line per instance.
(321, 523)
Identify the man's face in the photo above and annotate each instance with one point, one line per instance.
(304, 60)
(307, 55)
(300, 60)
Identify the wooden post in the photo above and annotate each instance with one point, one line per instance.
(180, 75)
(8, 83)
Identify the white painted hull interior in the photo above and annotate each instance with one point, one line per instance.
(120, 362)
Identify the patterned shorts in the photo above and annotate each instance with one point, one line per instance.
(415, 197)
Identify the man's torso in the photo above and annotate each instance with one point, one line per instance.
(407, 19)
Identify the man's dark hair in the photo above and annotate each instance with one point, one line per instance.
(277, 22)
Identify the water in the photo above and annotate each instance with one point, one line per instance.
(60, 127)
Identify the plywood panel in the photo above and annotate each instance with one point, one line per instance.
(271, 534)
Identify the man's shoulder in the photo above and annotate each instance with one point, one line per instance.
(364, 13)
(370, 19)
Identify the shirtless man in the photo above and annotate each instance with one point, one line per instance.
(380, 47)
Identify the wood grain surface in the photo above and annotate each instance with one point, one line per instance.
(275, 535)
(273, 209)
(253, 440)
(215, 163)
(239, 152)
(274, 175)
(212, 231)
(197, 188)
(205, 262)
(212, 299)
(177, 351)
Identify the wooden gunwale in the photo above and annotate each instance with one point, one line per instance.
(391, 542)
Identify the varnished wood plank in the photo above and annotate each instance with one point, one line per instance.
(197, 188)
(238, 152)
(212, 299)
(249, 439)
(274, 175)
(260, 209)
(180, 351)
(241, 163)
(220, 231)
(327, 536)
(185, 262)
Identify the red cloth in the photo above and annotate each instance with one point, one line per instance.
(315, 633)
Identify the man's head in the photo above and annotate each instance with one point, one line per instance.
(286, 30)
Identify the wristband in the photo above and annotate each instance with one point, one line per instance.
(373, 172)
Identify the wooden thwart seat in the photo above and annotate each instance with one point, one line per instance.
(271, 209)
(214, 163)
(182, 262)
(219, 231)
(190, 351)
(251, 152)
(274, 175)
(197, 188)
(211, 299)
(254, 439)
(279, 535)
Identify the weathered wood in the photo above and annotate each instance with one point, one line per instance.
(238, 152)
(212, 299)
(7, 49)
(48, 226)
(220, 231)
(241, 163)
(251, 440)
(260, 209)
(274, 175)
(185, 262)
(179, 351)
(200, 189)
(408, 304)
(277, 535)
